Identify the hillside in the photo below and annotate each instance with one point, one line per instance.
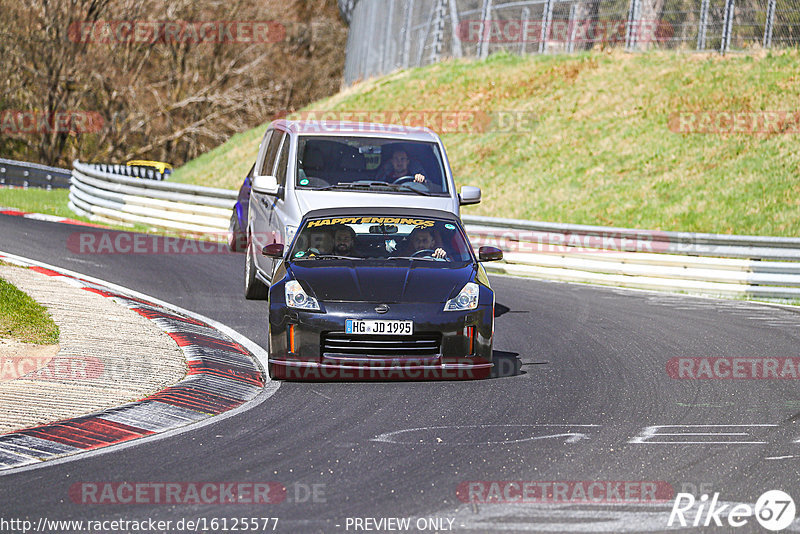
(600, 149)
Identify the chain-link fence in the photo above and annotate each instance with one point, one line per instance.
(390, 34)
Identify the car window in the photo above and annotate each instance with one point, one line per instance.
(283, 161)
(382, 238)
(268, 163)
(325, 161)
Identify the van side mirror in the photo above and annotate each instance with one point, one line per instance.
(266, 185)
(469, 195)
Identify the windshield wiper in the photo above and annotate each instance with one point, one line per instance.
(407, 187)
(333, 257)
(426, 258)
(373, 185)
(349, 185)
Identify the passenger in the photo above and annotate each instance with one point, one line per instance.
(425, 239)
(320, 241)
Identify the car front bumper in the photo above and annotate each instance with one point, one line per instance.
(457, 345)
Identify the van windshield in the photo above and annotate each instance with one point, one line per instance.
(352, 163)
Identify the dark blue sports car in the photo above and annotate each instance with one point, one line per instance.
(366, 293)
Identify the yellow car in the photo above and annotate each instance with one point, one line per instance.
(160, 166)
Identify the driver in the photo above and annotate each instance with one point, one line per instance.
(424, 239)
(400, 165)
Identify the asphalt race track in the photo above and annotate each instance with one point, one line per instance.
(584, 380)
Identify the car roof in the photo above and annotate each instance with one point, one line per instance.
(380, 212)
(356, 129)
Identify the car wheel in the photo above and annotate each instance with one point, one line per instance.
(254, 289)
(237, 240)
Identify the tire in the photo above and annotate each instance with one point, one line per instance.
(237, 240)
(254, 289)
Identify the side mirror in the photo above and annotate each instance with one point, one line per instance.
(469, 195)
(489, 254)
(267, 185)
(275, 250)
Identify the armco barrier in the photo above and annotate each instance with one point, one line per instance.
(96, 192)
(713, 264)
(24, 174)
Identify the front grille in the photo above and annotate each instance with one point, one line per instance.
(336, 344)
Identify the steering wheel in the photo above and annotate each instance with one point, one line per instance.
(423, 252)
(404, 179)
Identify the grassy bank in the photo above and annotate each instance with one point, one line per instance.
(23, 319)
(600, 150)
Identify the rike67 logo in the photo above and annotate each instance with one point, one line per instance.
(774, 510)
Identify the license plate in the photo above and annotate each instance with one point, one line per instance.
(378, 326)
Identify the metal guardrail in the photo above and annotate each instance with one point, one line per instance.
(712, 264)
(95, 192)
(24, 174)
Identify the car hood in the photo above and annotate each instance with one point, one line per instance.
(400, 281)
(315, 200)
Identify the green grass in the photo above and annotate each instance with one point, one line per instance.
(53, 202)
(226, 165)
(23, 319)
(600, 151)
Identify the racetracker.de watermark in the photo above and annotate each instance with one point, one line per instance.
(177, 31)
(563, 491)
(47, 122)
(563, 31)
(177, 493)
(395, 369)
(533, 241)
(735, 122)
(464, 121)
(49, 368)
(734, 368)
(114, 242)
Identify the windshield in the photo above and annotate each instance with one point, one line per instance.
(342, 163)
(381, 238)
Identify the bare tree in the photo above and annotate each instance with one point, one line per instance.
(164, 98)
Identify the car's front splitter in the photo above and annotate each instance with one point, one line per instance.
(380, 369)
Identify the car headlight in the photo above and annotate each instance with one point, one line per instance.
(297, 298)
(467, 299)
